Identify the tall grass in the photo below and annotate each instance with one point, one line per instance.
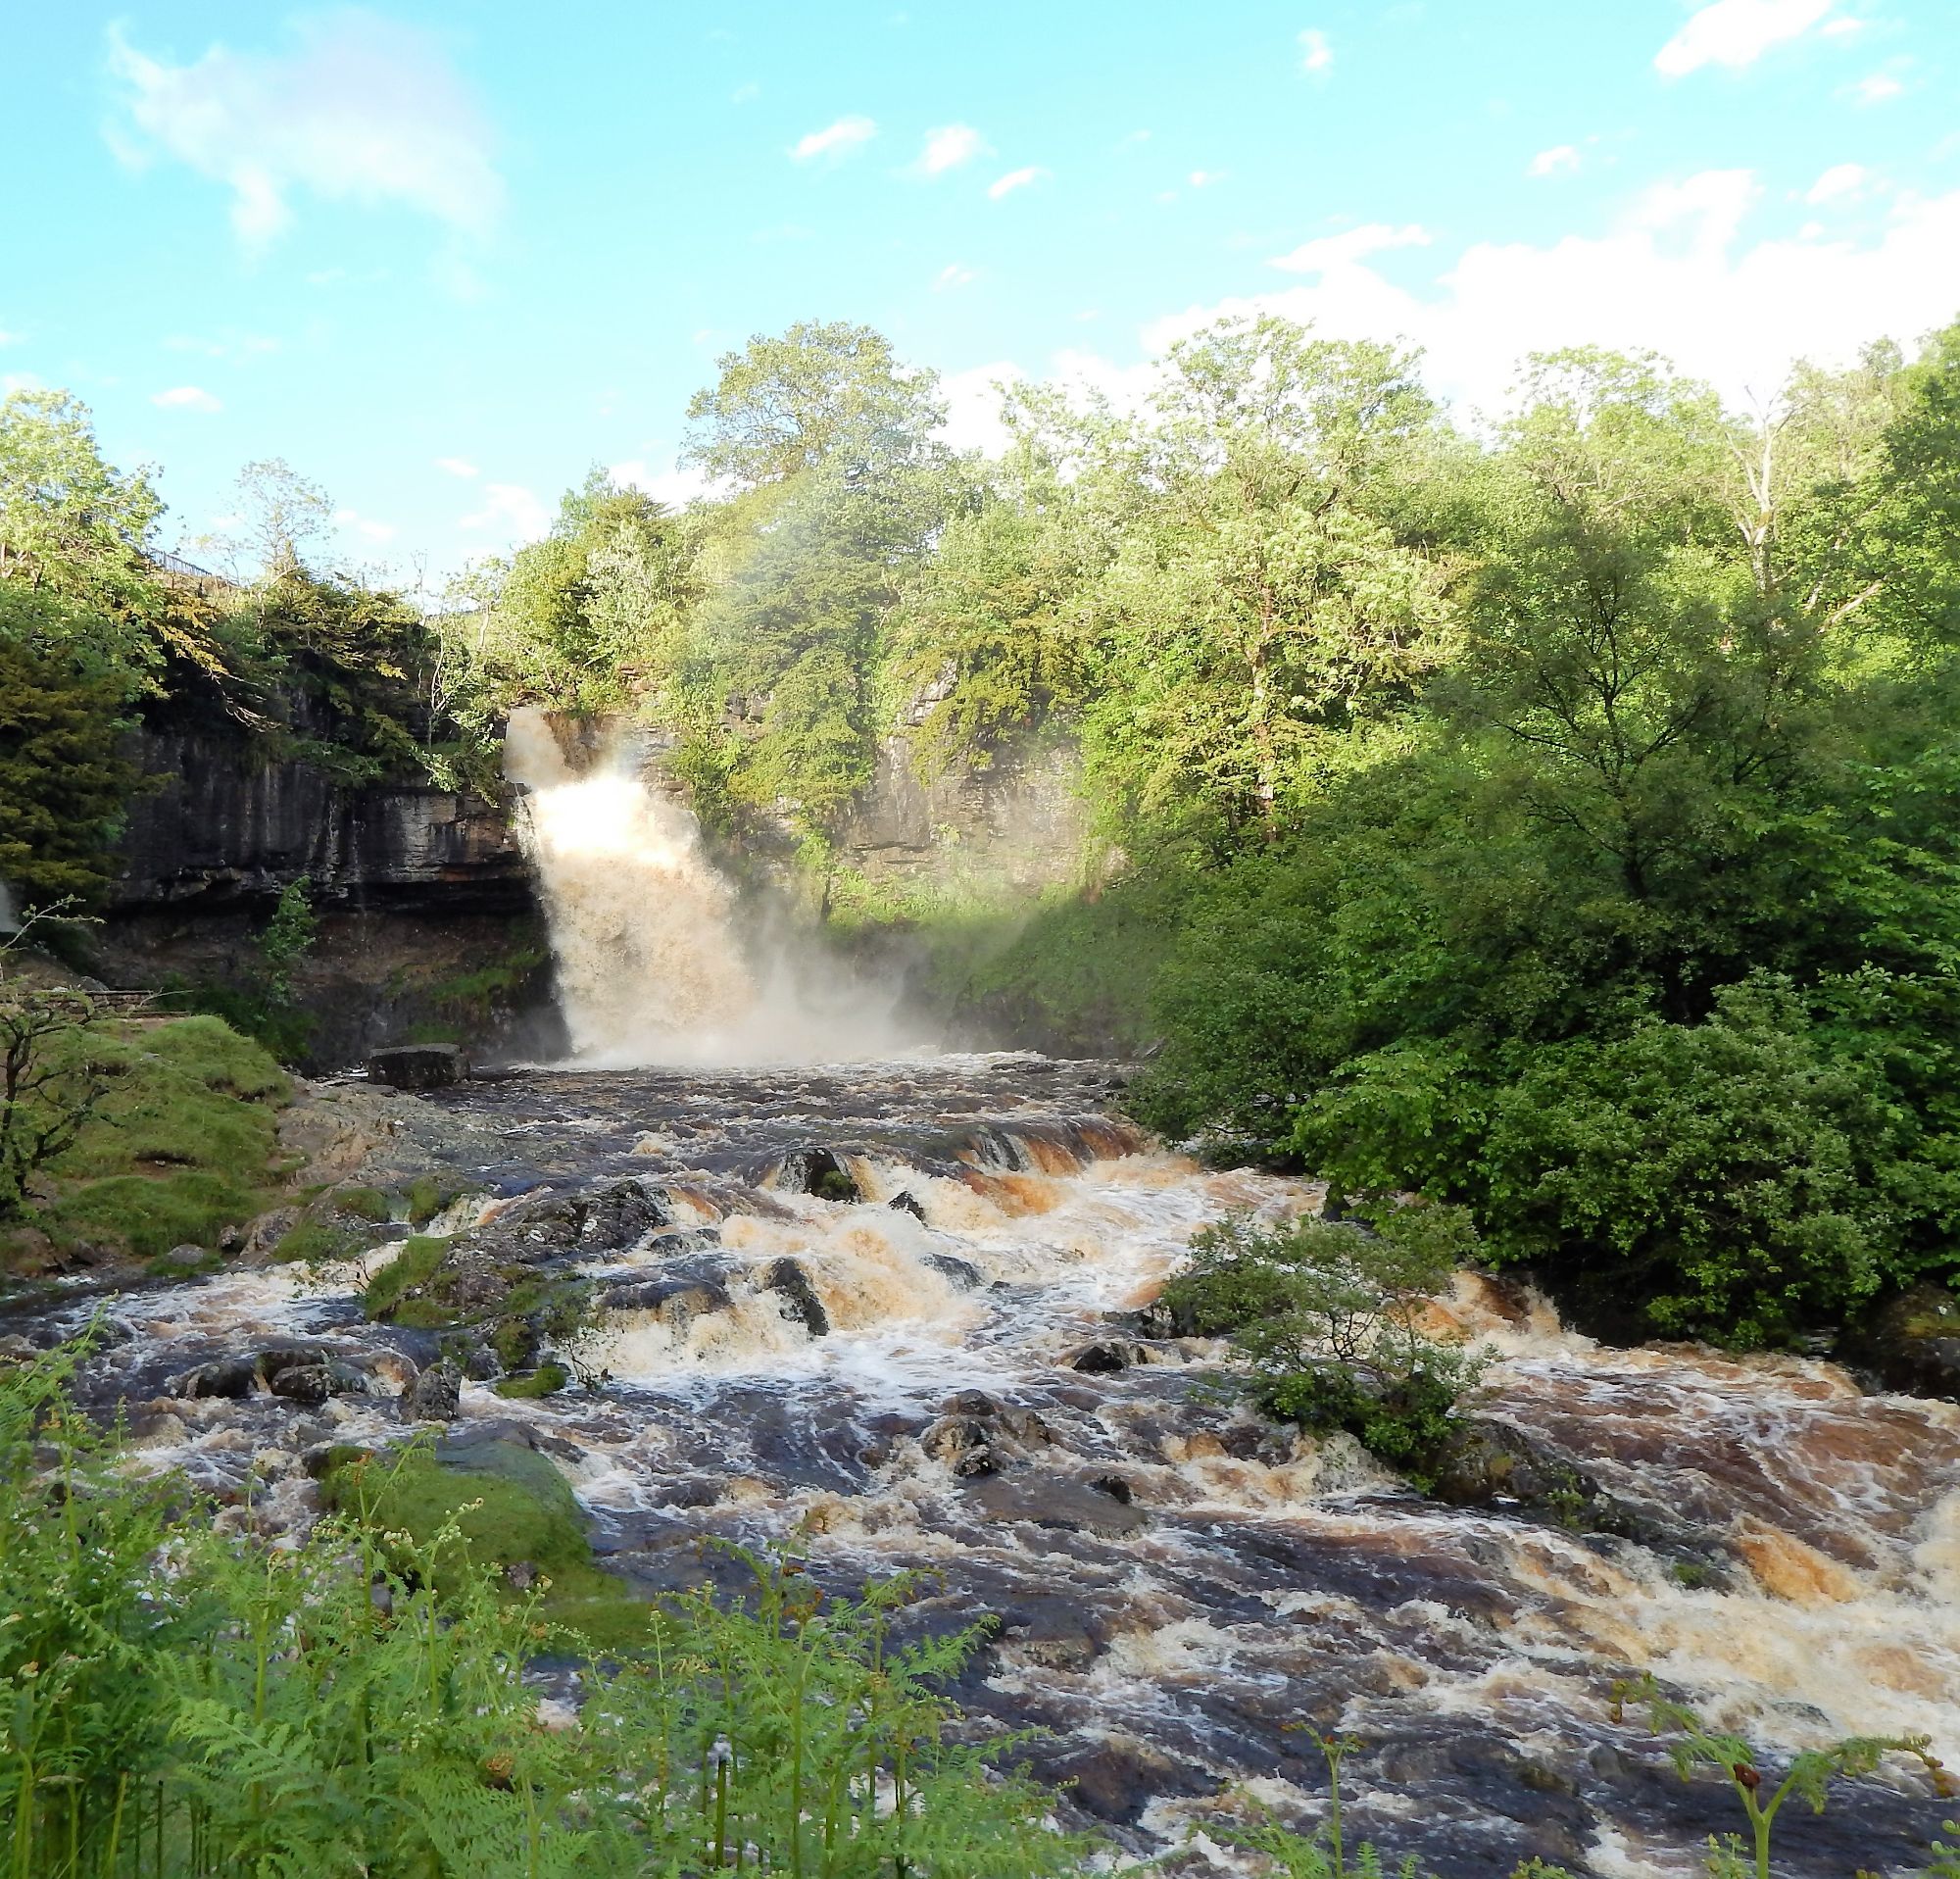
(180, 1704)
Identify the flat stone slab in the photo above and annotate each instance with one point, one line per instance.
(418, 1066)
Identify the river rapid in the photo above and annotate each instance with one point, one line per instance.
(1178, 1593)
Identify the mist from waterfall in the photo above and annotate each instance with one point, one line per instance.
(656, 962)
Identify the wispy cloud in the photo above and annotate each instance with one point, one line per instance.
(229, 346)
(456, 466)
(10, 338)
(1316, 56)
(512, 510)
(1737, 33)
(1205, 179)
(949, 147)
(1561, 160)
(1841, 181)
(952, 275)
(834, 140)
(186, 398)
(745, 94)
(365, 526)
(360, 109)
(1333, 252)
(1012, 180)
(1880, 88)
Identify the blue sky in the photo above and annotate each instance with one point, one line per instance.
(445, 256)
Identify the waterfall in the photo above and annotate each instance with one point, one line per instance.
(655, 961)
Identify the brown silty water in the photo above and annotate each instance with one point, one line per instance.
(1172, 1585)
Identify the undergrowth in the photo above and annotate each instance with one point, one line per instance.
(181, 1701)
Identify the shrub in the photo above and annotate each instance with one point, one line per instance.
(1329, 1315)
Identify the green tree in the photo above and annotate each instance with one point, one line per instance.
(63, 777)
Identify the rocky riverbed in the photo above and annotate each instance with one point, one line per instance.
(895, 1315)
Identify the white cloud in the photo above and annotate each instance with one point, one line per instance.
(972, 400)
(1012, 180)
(1332, 253)
(1315, 54)
(1880, 88)
(362, 109)
(456, 466)
(11, 338)
(186, 398)
(834, 140)
(1840, 180)
(365, 526)
(1205, 179)
(745, 94)
(1737, 33)
(13, 381)
(952, 275)
(948, 147)
(1677, 274)
(1561, 160)
(676, 489)
(512, 510)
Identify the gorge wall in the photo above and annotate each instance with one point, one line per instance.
(429, 924)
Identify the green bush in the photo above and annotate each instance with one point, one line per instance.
(1329, 1316)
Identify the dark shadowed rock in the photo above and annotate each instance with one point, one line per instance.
(960, 1442)
(1116, 1778)
(1913, 1344)
(1107, 1355)
(233, 1376)
(962, 1273)
(790, 1284)
(905, 1203)
(418, 1066)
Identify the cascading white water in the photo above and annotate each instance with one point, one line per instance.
(649, 942)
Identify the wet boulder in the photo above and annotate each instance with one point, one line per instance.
(622, 1216)
(311, 1384)
(960, 1442)
(676, 1301)
(798, 1297)
(435, 1396)
(1912, 1344)
(961, 1272)
(1053, 1501)
(418, 1066)
(904, 1203)
(821, 1172)
(1107, 1355)
(1117, 1776)
(235, 1377)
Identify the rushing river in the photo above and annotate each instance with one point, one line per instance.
(1175, 1585)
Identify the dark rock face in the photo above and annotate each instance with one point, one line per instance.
(418, 1066)
(1913, 1344)
(222, 826)
(791, 1283)
(425, 912)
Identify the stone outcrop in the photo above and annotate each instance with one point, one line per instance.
(219, 826)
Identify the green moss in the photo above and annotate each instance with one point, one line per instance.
(315, 1242)
(182, 1145)
(509, 1504)
(423, 1314)
(514, 1340)
(364, 1204)
(548, 1379)
(429, 1196)
(414, 1264)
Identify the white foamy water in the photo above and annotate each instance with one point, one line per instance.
(655, 962)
